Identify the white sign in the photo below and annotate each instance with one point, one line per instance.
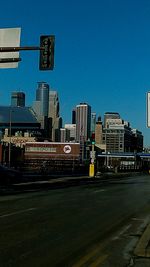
(41, 149)
(92, 154)
(148, 109)
(9, 37)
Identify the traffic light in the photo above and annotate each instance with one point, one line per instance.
(93, 138)
(47, 43)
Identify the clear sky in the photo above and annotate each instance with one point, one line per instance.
(102, 55)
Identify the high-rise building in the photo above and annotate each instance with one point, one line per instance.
(42, 96)
(18, 99)
(73, 116)
(53, 111)
(46, 107)
(72, 130)
(111, 117)
(53, 114)
(64, 135)
(83, 122)
(137, 140)
(99, 131)
(40, 105)
(93, 122)
(118, 138)
(118, 135)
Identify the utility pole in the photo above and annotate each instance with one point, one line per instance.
(92, 157)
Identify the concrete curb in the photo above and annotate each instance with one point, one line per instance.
(143, 246)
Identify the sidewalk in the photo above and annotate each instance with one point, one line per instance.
(141, 254)
(34, 182)
(46, 184)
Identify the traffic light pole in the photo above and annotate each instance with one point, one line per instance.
(16, 49)
(92, 162)
(46, 48)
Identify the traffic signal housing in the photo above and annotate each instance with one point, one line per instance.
(47, 43)
(93, 138)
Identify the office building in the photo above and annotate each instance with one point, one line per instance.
(93, 122)
(18, 99)
(53, 115)
(117, 138)
(64, 135)
(99, 131)
(72, 130)
(111, 118)
(83, 122)
(137, 141)
(41, 105)
(42, 96)
(46, 108)
(118, 135)
(73, 116)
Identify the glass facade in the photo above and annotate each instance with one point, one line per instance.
(18, 99)
(83, 122)
(42, 95)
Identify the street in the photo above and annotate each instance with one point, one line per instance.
(86, 225)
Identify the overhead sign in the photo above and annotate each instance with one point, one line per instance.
(9, 37)
(148, 109)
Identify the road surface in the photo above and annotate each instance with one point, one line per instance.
(88, 225)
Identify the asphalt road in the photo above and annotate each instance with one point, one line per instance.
(88, 225)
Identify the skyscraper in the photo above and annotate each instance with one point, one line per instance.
(42, 95)
(40, 106)
(83, 122)
(17, 99)
(93, 122)
(53, 111)
(53, 114)
(73, 116)
(99, 131)
(72, 130)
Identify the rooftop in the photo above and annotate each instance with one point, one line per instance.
(17, 115)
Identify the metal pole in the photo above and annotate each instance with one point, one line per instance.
(92, 161)
(8, 60)
(15, 49)
(9, 160)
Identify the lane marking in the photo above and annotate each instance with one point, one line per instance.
(142, 248)
(87, 257)
(99, 261)
(98, 191)
(16, 213)
(137, 219)
(122, 232)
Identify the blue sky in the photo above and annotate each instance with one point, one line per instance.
(102, 55)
